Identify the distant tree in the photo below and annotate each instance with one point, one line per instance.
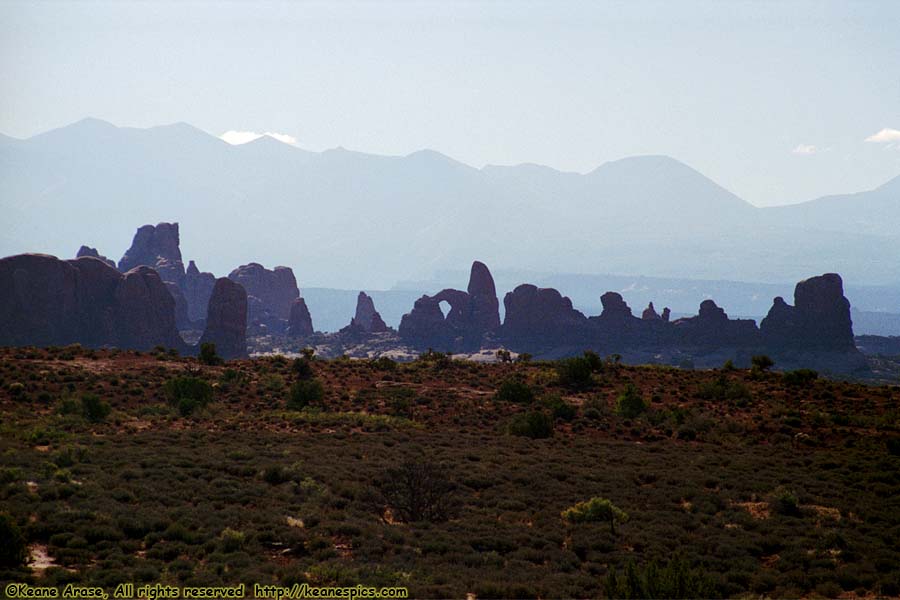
(596, 509)
(515, 391)
(93, 408)
(418, 491)
(535, 425)
(187, 394)
(504, 356)
(305, 392)
(800, 377)
(575, 372)
(524, 357)
(308, 353)
(630, 402)
(208, 354)
(762, 363)
(302, 369)
(728, 366)
(594, 360)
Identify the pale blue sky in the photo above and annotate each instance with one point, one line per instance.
(773, 100)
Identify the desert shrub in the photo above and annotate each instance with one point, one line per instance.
(630, 403)
(575, 372)
(594, 361)
(786, 503)
(302, 369)
(231, 540)
(524, 357)
(729, 365)
(438, 360)
(305, 393)
(559, 408)
(16, 389)
(595, 510)
(187, 394)
(504, 356)
(208, 354)
(534, 425)
(515, 391)
(93, 408)
(418, 491)
(399, 401)
(676, 579)
(723, 389)
(762, 362)
(800, 377)
(68, 406)
(384, 363)
(13, 548)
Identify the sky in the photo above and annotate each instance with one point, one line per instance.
(779, 102)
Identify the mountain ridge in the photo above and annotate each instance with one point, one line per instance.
(341, 216)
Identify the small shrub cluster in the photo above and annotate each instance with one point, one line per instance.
(187, 394)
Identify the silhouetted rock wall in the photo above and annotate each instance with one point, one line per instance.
(226, 319)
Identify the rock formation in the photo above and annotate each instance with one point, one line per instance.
(712, 328)
(484, 308)
(197, 290)
(156, 247)
(270, 294)
(818, 321)
(666, 314)
(540, 317)
(226, 319)
(472, 315)
(92, 252)
(367, 319)
(47, 301)
(650, 314)
(300, 321)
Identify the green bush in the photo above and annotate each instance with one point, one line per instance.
(762, 362)
(188, 394)
(786, 503)
(800, 377)
(208, 354)
(559, 408)
(13, 548)
(630, 403)
(593, 510)
(675, 580)
(384, 363)
(534, 425)
(515, 391)
(302, 369)
(723, 389)
(575, 372)
(93, 408)
(305, 393)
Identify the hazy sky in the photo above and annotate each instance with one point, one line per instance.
(773, 100)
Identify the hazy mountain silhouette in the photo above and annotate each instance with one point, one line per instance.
(356, 220)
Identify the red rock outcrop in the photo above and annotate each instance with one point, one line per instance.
(47, 301)
(92, 252)
(156, 247)
(818, 321)
(538, 317)
(226, 319)
(197, 290)
(472, 315)
(270, 294)
(367, 319)
(300, 321)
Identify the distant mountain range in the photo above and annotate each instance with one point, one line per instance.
(345, 219)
